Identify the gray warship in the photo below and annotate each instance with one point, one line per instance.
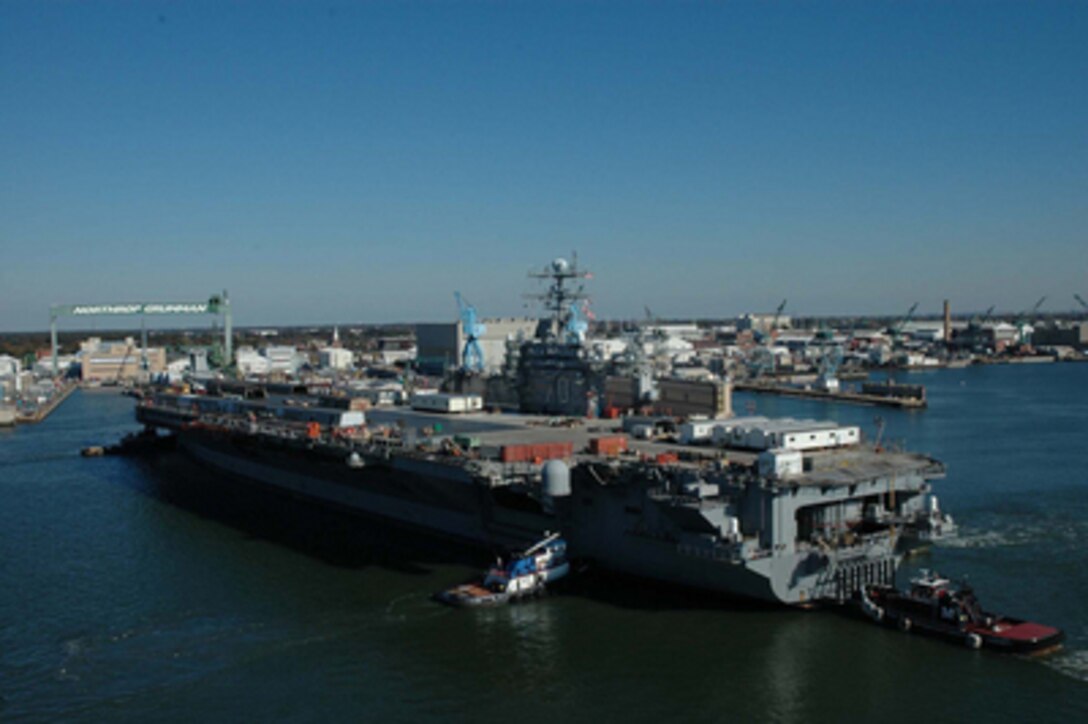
(785, 515)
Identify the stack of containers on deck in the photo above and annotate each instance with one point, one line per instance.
(608, 446)
(528, 453)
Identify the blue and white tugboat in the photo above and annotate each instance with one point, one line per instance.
(525, 574)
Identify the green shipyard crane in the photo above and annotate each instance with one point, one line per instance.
(773, 331)
(987, 315)
(216, 304)
(896, 330)
(1021, 322)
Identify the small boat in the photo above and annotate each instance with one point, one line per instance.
(934, 605)
(525, 574)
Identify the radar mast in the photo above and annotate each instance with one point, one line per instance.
(565, 291)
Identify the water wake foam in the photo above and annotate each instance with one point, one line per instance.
(1009, 535)
(1073, 663)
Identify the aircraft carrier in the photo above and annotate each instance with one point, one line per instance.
(777, 513)
(778, 525)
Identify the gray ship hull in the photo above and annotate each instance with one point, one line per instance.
(429, 498)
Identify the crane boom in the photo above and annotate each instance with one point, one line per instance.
(472, 355)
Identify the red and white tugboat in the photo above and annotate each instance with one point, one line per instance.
(933, 605)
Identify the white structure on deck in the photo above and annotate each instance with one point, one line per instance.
(378, 392)
(781, 463)
(445, 402)
(761, 433)
(695, 431)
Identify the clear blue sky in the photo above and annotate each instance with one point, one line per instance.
(335, 162)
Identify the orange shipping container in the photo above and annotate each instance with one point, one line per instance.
(531, 453)
(612, 445)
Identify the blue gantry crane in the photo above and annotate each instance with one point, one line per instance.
(472, 356)
(577, 324)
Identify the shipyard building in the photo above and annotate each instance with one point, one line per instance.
(118, 361)
(1072, 335)
(440, 345)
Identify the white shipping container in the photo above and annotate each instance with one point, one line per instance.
(698, 431)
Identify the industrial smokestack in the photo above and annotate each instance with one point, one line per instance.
(947, 322)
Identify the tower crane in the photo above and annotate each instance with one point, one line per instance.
(1022, 321)
(761, 359)
(897, 329)
(987, 315)
(1080, 301)
(472, 355)
(773, 332)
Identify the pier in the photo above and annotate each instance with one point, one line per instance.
(854, 398)
(43, 411)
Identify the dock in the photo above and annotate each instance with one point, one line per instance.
(42, 412)
(853, 398)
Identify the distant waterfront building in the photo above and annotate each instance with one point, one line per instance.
(762, 323)
(926, 331)
(43, 363)
(392, 350)
(118, 361)
(688, 332)
(283, 359)
(1071, 335)
(250, 362)
(335, 358)
(9, 366)
(995, 336)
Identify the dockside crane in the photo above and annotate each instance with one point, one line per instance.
(577, 324)
(1080, 301)
(1022, 322)
(773, 331)
(830, 360)
(987, 315)
(472, 355)
(896, 330)
(761, 359)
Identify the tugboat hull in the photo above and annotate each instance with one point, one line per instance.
(982, 630)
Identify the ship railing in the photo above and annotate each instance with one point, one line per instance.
(863, 547)
(843, 581)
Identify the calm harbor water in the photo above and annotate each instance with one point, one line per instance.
(121, 600)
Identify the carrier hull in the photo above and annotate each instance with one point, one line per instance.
(445, 503)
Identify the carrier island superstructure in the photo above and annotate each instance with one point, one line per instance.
(782, 525)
